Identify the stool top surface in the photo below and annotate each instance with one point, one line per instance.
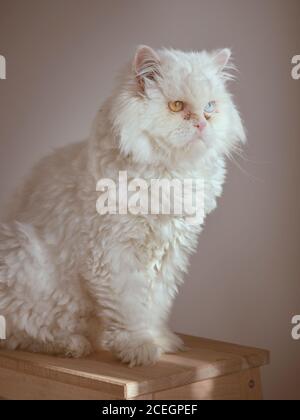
(204, 359)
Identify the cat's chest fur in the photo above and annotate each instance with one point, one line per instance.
(159, 244)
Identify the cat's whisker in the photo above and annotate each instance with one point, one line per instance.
(244, 171)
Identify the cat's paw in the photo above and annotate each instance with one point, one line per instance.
(132, 348)
(170, 342)
(145, 353)
(77, 346)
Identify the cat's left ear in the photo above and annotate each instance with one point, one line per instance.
(146, 65)
(221, 59)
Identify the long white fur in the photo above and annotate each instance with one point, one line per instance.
(72, 280)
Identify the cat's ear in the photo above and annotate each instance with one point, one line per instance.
(146, 65)
(221, 59)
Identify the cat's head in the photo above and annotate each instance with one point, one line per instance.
(175, 105)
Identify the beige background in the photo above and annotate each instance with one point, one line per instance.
(244, 282)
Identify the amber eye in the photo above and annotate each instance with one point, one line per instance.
(176, 106)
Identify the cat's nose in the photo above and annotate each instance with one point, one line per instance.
(201, 125)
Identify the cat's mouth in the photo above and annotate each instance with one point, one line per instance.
(197, 136)
(190, 138)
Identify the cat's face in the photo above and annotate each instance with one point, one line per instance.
(175, 103)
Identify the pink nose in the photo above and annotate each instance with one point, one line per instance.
(201, 125)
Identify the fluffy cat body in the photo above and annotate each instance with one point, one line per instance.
(72, 281)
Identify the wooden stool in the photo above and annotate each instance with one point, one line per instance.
(208, 370)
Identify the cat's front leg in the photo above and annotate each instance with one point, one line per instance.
(138, 347)
(134, 307)
(132, 347)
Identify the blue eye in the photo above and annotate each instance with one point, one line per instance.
(210, 107)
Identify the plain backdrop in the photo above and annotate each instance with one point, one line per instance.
(244, 281)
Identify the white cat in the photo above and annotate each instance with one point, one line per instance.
(72, 280)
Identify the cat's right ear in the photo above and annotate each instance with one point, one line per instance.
(146, 65)
(221, 59)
